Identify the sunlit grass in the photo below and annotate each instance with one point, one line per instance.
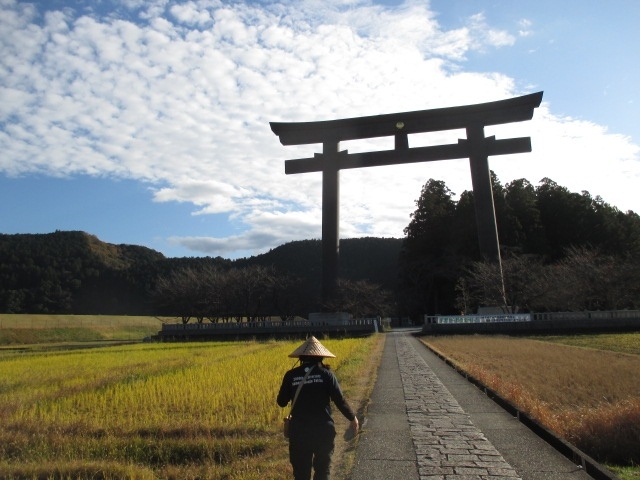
(43, 321)
(192, 410)
(615, 342)
(18, 330)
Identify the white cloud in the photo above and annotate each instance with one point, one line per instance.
(577, 154)
(485, 36)
(189, 14)
(183, 100)
(525, 27)
(216, 197)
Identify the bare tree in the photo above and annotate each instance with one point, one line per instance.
(585, 279)
(360, 298)
(247, 292)
(189, 293)
(590, 280)
(526, 284)
(176, 294)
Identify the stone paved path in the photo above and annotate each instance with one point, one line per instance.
(447, 444)
(426, 422)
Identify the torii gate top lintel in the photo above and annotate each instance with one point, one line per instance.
(492, 113)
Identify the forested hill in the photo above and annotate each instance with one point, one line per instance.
(369, 258)
(72, 272)
(76, 273)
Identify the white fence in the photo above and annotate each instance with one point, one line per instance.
(512, 317)
(547, 321)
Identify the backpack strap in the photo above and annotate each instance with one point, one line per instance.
(295, 397)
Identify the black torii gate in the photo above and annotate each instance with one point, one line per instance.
(476, 147)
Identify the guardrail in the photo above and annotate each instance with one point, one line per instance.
(534, 322)
(180, 331)
(265, 324)
(513, 317)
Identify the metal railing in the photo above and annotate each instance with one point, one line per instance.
(534, 317)
(270, 324)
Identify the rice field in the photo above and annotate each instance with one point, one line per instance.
(584, 388)
(147, 411)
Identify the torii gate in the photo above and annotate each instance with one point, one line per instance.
(476, 147)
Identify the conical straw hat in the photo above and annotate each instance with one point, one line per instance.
(311, 348)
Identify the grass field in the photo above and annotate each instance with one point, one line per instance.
(40, 329)
(9, 320)
(146, 411)
(614, 342)
(585, 388)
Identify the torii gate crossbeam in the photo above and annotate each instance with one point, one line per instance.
(476, 147)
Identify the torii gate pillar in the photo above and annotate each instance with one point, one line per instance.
(488, 241)
(330, 219)
(476, 147)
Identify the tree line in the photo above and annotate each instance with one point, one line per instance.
(561, 251)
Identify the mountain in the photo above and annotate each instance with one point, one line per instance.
(74, 272)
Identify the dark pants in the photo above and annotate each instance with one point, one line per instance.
(311, 446)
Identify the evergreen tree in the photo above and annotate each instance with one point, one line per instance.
(429, 261)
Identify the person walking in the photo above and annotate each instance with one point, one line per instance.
(311, 386)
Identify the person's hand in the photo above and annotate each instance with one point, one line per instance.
(355, 425)
(352, 431)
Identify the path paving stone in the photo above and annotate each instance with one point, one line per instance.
(447, 444)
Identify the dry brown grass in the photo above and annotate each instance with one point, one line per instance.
(589, 397)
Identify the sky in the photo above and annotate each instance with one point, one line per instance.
(146, 122)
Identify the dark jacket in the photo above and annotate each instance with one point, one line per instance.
(313, 405)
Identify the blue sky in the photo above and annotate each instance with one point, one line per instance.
(147, 122)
